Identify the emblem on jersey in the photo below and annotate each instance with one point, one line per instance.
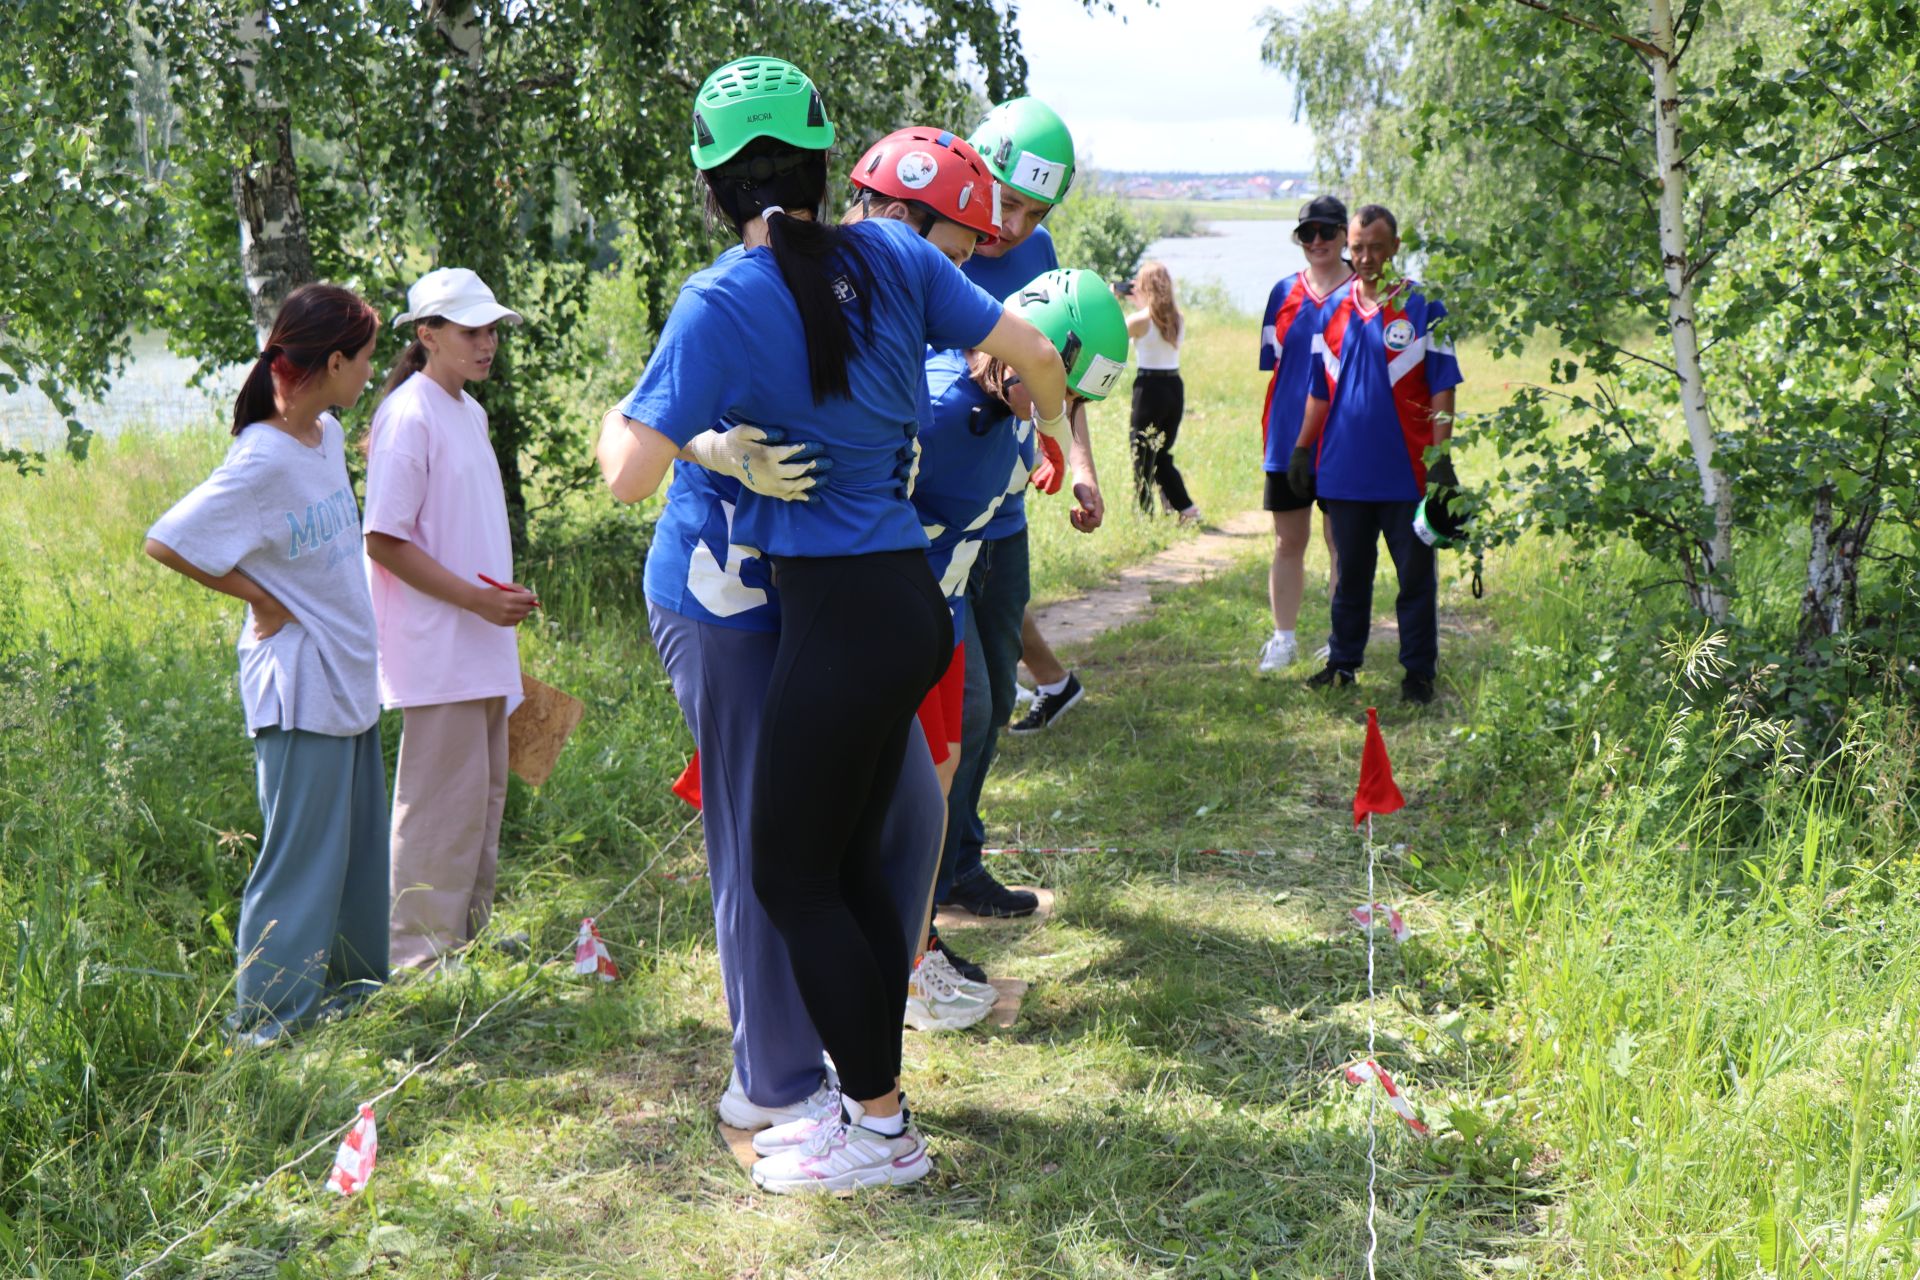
(843, 290)
(916, 169)
(1399, 335)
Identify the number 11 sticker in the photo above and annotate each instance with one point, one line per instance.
(1038, 175)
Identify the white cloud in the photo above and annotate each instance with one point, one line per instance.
(1178, 85)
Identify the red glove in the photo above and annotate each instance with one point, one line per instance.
(1052, 471)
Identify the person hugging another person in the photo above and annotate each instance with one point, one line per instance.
(1159, 396)
(436, 533)
(276, 525)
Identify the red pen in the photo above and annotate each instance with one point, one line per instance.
(500, 586)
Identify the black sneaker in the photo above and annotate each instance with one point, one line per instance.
(1329, 678)
(985, 896)
(1047, 708)
(1417, 689)
(961, 965)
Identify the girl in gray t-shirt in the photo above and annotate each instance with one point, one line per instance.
(276, 525)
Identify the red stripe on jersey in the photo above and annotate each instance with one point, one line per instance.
(1282, 321)
(1413, 405)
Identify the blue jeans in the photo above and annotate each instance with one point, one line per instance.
(1357, 530)
(997, 594)
(313, 917)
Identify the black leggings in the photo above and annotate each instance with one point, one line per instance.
(862, 640)
(1159, 398)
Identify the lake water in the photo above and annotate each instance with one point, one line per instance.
(1241, 258)
(1246, 259)
(150, 393)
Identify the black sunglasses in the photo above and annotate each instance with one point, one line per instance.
(1308, 232)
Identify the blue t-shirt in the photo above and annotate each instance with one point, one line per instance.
(1380, 369)
(970, 463)
(1003, 277)
(1295, 316)
(733, 348)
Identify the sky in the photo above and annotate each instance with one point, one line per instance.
(1177, 86)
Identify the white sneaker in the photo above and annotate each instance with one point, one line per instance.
(938, 962)
(738, 1111)
(793, 1133)
(935, 1004)
(841, 1156)
(1279, 651)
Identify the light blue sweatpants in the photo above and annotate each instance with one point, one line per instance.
(313, 917)
(720, 676)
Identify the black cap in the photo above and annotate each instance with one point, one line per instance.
(1327, 209)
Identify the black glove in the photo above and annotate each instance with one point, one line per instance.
(1440, 475)
(1300, 473)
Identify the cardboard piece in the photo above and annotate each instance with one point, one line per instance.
(958, 917)
(740, 1142)
(538, 728)
(1007, 1007)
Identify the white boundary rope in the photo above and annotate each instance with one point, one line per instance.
(1373, 1163)
(247, 1192)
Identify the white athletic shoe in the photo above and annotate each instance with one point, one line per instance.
(938, 962)
(792, 1133)
(1279, 651)
(840, 1155)
(935, 1004)
(738, 1111)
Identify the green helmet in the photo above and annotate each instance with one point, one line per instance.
(1078, 312)
(1028, 147)
(756, 98)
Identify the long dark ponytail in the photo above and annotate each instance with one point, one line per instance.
(315, 321)
(820, 261)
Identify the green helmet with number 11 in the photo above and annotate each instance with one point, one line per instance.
(1028, 147)
(1083, 320)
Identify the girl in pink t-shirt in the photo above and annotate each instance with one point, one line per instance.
(436, 527)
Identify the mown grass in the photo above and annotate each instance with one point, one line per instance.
(1659, 1003)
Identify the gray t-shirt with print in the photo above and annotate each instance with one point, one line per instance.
(283, 514)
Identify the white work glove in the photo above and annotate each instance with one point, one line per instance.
(1054, 428)
(761, 459)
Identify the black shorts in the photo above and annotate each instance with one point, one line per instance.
(1280, 495)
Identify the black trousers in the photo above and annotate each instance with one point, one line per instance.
(1159, 400)
(862, 640)
(1357, 530)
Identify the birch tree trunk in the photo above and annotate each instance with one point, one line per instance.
(1711, 596)
(275, 255)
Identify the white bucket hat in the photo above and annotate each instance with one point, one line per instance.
(456, 294)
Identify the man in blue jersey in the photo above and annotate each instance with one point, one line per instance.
(1030, 151)
(1379, 396)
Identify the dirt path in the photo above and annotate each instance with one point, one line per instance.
(1130, 594)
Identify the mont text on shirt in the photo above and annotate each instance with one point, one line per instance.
(326, 520)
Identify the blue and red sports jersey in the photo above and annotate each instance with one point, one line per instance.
(1294, 317)
(1380, 369)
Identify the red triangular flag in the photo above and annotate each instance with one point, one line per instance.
(687, 785)
(1376, 792)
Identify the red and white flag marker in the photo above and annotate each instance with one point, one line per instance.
(590, 954)
(1361, 1073)
(353, 1163)
(1368, 916)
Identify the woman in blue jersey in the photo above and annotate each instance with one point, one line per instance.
(1297, 311)
(821, 331)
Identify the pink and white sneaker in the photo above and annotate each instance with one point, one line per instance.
(793, 1133)
(840, 1155)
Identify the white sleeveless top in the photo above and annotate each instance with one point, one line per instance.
(1151, 351)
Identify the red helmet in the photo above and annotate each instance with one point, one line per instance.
(937, 171)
